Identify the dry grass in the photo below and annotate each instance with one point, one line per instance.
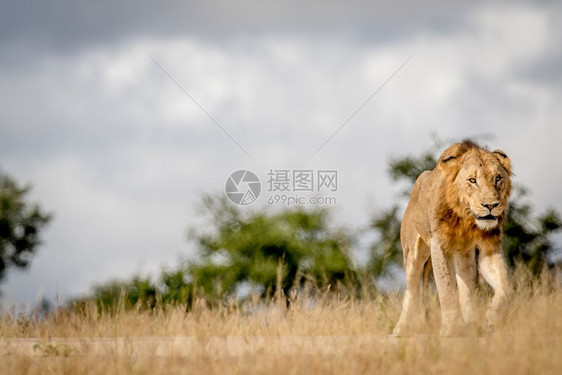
(336, 335)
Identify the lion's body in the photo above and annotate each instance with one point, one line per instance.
(454, 209)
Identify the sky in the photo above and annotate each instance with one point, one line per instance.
(122, 115)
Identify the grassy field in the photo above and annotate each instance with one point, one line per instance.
(332, 335)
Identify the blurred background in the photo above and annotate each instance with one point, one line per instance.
(93, 119)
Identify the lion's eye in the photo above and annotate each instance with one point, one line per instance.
(472, 180)
(498, 178)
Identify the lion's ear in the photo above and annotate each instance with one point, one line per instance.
(456, 151)
(450, 154)
(504, 160)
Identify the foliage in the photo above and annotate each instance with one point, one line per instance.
(386, 250)
(116, 296)
(527, 237)
(20, 225)
(409, 167)
(175, 288)
(271, 252)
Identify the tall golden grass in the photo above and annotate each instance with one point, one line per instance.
(331, 334)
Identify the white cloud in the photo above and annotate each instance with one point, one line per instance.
(510, 36)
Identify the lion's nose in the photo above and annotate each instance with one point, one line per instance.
(490, 206)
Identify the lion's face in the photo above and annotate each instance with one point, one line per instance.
(481, 186)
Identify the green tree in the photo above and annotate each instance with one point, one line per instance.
(176, 287)
(138, 292)
(527, 237)
(269, 251)
(20, 225)
(528, 240)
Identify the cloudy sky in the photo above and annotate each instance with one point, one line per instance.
(93, 116)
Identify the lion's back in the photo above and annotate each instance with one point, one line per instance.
(416, 220)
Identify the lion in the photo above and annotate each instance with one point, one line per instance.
(454, 209)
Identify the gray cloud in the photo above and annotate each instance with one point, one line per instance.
(80, 24)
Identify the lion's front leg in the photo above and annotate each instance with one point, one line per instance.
(465, 267)
(493, 268)
(444, 273)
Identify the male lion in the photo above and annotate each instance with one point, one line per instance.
(455, 208)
